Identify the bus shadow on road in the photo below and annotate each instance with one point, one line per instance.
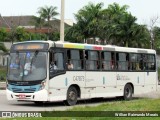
(90, 102)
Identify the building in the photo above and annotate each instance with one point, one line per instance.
(28, 23)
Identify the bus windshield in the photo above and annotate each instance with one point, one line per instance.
(27, 66)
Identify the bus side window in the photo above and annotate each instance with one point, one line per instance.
(56, 63)
(59, 58)
(108, 61)
(122, 61)
(92, 60)
(141, 62)
(75, 59)
(134, 63)
(70, 65)
(145, 61)
(113, 61)
(150, 62)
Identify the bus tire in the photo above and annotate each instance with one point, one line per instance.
(72, 96)
(128, 92)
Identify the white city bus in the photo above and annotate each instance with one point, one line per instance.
(47, 71)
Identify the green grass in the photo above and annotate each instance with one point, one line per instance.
(107, 107)
(133, 105)
(158, 71)
(3, 73)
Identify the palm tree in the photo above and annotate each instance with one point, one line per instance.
(38, 22)
(88, 19)
(156, 35)
(115, 8)
(126, 28)
(47, 13)
(113, 24)
(140, 37)
(74, 34)
(118, 23)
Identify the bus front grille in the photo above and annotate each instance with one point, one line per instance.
(19, 90)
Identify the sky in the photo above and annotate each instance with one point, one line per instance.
(143, 10)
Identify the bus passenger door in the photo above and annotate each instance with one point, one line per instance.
(150, 80)
(150, 74)
(57, 71)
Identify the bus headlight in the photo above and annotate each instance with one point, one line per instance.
(43, 83)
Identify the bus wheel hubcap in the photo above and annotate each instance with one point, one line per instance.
(72, 95)
(127, 92)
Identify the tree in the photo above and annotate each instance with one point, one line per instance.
(88, 20)
(111, 21)
(18, 34)
(21, 34)
(2, 47)
(74, 34)
(118, 24)
(126, 29)
(11, 36)
(47, 13)
(156, 32)
(113, 25)
(153, 22)
(140, 37)
(55, 36)
(38, 22)
(3, 34)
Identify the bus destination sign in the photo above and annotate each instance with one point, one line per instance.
(30, 46)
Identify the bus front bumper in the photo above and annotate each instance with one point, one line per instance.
(41, 95)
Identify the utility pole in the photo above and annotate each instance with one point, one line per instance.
(62, 22)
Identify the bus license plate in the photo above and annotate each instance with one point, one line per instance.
(22, 96)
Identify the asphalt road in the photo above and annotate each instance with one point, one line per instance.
(6, 105)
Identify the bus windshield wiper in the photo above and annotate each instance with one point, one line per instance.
(34, 57)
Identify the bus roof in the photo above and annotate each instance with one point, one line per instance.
(85, 46)
(102, 47)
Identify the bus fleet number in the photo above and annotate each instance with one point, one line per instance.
(78, 78)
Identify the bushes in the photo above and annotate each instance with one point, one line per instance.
(3, 72)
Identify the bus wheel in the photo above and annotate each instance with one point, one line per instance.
(128, 91)
(72, 95)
